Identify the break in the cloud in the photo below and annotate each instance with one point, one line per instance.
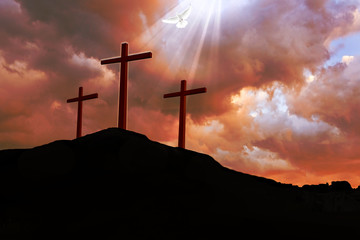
(271, 109)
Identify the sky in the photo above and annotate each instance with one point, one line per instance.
(283, 79)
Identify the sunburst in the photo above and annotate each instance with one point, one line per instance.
(181, 49)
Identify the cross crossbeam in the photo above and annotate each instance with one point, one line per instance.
(80, 99)
(182, 115)
(132, 57)
(123, 60)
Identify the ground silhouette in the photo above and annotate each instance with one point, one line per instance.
(116, 183)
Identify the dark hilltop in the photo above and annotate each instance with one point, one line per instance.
(117, 184)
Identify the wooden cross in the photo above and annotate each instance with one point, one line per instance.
(124, 59)
(80, 99)
(182, 116)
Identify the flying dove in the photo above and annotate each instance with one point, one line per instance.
(180, 19)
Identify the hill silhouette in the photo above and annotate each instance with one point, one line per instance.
(116, 183)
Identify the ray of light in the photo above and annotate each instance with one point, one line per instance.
(214, 55)
(186, 49)
(201, 44)
(180, 50)
(152, 33)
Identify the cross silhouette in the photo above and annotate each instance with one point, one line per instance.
(80, 99)
(123, 60)
(182, 116)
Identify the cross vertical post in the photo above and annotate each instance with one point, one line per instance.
(123, 87)
(79, 116)
(182, 115)
(123, 60)
(80, 99)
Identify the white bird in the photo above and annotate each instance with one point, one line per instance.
(180, 19)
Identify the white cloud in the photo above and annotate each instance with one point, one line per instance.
(271, 115)
(105, 77)
(253, 159)
(310, 78)
(264, 159)
(347, 59)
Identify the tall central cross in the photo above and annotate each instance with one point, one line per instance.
(182, 116)
(123, 60)
(80, 99)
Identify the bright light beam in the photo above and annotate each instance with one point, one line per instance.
(201, 44)
(180, 50)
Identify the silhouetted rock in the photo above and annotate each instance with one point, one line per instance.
(116, 183)
(340, 186)
(323, 187)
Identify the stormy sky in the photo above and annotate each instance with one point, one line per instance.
(283, 78)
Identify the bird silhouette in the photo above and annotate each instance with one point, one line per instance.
(179, 19)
